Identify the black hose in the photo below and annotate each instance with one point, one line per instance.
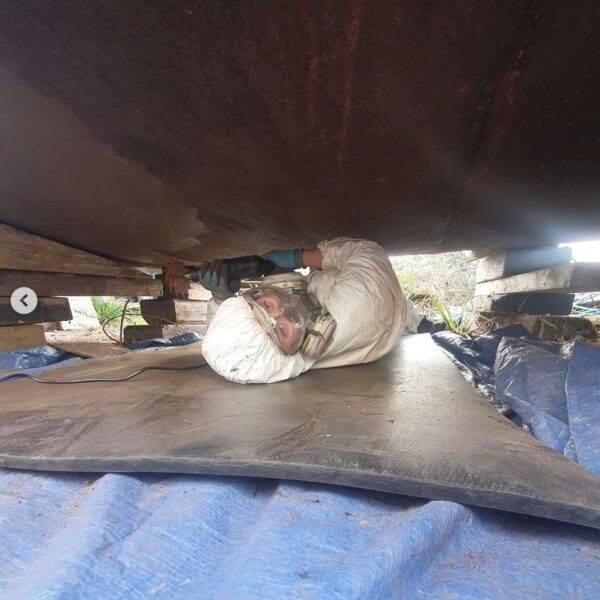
(99, 379)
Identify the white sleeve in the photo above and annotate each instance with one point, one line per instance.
(364, 297)
(347, 253)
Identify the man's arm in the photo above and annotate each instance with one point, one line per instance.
(215, 275)
(295, 259)
(313, 258)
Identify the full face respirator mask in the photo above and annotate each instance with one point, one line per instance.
(290, 315)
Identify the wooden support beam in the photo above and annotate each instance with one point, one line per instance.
(574, 277)
(24, 251)
(483, 253)
(66, 284)
(141, 333)
(17, 337)
(522, 260)
(534, 303)
(47, 310)
(163, 311)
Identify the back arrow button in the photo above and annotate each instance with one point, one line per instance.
(23, 300)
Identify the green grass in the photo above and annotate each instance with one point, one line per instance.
(437, 282)
(107, 310)
(442, 309)
(408, 282)
(116, 313)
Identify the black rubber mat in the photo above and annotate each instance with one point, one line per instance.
(408, 424)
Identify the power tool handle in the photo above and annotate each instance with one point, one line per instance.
(248, 267)
(242, 267)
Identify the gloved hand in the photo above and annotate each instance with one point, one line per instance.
(286, 259)
(215, 277)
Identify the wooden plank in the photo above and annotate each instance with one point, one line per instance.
(141, 333)
(169, 310)
(482, 253)
(574, 277)
(24, 251)
(67, 284)
(47, 310)
(17, 337)
(198, 292)
(522, 260)
(534, 303)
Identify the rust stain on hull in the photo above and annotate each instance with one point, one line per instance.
(192, 131)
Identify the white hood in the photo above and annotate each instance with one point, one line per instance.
(238, 348)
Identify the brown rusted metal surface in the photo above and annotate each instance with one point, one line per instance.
(197, 129)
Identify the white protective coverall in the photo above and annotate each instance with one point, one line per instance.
(357, 286)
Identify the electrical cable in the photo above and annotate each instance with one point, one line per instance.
(99, 379)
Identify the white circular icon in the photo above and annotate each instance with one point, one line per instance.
(24, 300)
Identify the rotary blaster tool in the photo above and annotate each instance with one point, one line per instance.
(223, 277)
(240, 268)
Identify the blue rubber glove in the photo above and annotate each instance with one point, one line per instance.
(286, 259)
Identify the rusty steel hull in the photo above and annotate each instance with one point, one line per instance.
(179, 129)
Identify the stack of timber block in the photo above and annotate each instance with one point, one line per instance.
(167, 318)
(26, 331)
(536, 288)
(53, 270)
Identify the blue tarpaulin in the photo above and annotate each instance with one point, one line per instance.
(549, 388)
(583, 401)
(125, 536)
(33, 358)
(139, 536)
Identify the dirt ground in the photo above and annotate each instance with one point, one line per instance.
(77, 336)
(85, 342)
